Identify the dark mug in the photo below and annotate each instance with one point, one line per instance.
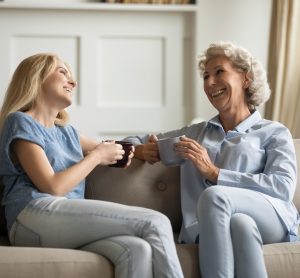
(127, 147)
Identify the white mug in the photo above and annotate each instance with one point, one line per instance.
(167, 153)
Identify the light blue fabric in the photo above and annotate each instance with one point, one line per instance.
(98, 226)
(18, 189)
(234, 223)
(258, 155)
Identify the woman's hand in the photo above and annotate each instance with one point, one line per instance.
(131, 154)
(148, 151)
(108, 152)
(191, 149)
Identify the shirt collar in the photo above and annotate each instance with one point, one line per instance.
(253, 119)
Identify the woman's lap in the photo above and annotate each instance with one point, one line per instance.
(253, 204)
(61, 222)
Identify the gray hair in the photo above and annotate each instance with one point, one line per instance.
(258, 91)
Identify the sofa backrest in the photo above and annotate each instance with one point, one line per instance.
(152, 186)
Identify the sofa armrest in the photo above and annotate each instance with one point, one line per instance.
(141, 184)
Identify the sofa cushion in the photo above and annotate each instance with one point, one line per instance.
(282, 259)
(50, 262)
(188, 257)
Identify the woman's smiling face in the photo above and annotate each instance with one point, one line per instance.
(224, 85)
(58, 86)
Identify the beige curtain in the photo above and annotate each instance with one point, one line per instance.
(284, 65)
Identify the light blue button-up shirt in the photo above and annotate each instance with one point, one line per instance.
(258, 155)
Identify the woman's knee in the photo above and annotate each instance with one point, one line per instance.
(244, 228)
(137, 256)
(212, 197)
(131, 256)
(120, 248)
(158, 220)
(134, 246)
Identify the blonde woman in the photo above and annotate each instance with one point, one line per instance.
(239, 178)
(44, 162)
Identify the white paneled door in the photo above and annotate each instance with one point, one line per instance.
(129, 65)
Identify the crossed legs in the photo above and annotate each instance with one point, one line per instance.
(234, 223)
(95, 225)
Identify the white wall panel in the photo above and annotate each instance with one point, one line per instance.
(23, 46)
(87, 35)
(131, 71)
(129, 65)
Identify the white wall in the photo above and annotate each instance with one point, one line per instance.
(245, 22)
(128, 60)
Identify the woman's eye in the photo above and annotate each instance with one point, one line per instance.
(218, 71)
(205, 77)
(63, 71)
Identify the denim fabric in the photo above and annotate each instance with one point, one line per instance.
(95, 225)
(131, 255)
(233, 225)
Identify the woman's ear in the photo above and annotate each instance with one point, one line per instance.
(246, 82)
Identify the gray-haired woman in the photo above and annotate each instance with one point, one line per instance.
(238, 180)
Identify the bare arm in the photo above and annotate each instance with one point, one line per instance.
(87, 144)
(36, 165)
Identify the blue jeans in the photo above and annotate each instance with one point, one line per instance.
(234, 223)
(138, 241)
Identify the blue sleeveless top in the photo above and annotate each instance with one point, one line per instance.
(62, 148)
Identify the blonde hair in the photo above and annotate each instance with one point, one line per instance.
(258, 91)
(26, 84)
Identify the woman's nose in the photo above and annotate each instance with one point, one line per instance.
(210, 81)
(73, 82)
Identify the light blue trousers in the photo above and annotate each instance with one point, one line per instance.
(138, 241)
(234, 223)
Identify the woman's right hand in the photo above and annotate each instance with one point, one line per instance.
(108, 152)
(149, 151)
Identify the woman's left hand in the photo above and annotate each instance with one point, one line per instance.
(192, 150)
(131, 154)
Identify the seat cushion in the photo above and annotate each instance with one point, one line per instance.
(51, 262)
(188, 257)
(282, 259)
